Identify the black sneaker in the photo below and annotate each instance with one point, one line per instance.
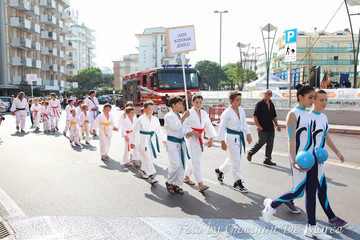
(239, 186)
(220, 175)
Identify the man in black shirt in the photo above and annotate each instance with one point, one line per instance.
(264, 118)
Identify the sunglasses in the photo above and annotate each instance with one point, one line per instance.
(268, 93)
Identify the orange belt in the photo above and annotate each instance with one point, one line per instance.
(127, 132)
(56, 111)
(199, 131)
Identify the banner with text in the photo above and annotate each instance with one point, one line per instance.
(180, 39)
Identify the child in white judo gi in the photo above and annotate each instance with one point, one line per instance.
(68, 115)
(85, 119)
(176, 128)
(55, 112)
(106, 125)
(36, 110)
(74, 127)
(127, 129)
(123, 114)
(46, 116)
(146, 135)
(20, 109)
(232, 129)
(200, 123)
(78, 108)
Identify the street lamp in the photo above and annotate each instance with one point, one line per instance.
(221, 12)
(268, 28)
(255, 57)
(356, 50)
(240, 46)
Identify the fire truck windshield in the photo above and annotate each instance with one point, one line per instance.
(173, 79)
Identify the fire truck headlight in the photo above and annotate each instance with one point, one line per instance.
(165, 109)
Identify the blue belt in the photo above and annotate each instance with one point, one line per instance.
(151, 133)
(241, 135)
(181, 141)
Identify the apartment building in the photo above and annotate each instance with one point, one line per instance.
(129, 64)
(153, 51)
(34, 40)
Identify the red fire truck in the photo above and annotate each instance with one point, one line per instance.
(158, 85)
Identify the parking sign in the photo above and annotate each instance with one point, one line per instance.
(290, 45)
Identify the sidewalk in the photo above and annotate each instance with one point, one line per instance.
(341, 129)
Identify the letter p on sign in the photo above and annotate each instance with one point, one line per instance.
(290, 36)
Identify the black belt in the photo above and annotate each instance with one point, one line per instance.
(19, 109)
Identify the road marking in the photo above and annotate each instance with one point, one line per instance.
(11, 207)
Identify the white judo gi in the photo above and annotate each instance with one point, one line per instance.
(46, 117)
(127, 130)
(55, 112)
(74, 128)
(106, 126)
(85, 126)
(92, 103)
(36, 110)
(233, 131)
(21, 108)
(176, 147)
(68, 115)
(146, 135)
(195, 145)
(122, 118)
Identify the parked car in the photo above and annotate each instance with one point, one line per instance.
(120, 102)
(105, 99)
(6, 101)
(2, 106)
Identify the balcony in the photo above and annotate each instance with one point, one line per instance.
(48, 19)
(45, 67)
(36, 64)
(49, 4)
(61, 54)
(60, 8)
(60, 23)
(35, 28)
(46, 82)
(325, 62)
(45, 51)
(20, 22)
(34, 11)
(17, 79)
(25, 62)
(61, 39)
(62, 69)
(47, 35)
(67, 30)
(22, 5)
(54, 51)
(326, 50)
(36, 46)
(21, 42)
(54, 68)
(65, 3)
(56, 83)
(68, 17)
(68, 44)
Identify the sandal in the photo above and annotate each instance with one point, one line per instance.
(170, 188)
(203, 189)
(136, 164)
(178, 190)
(189, 182)
(128, 164)
(103, 158)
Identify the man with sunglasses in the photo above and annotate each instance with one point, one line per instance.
(265, 118)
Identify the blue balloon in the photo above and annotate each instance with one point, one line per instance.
(305, 160)
(321, 154)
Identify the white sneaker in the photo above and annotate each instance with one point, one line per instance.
(143, 174)
(316, 232)
(268, 211)
(152, 179)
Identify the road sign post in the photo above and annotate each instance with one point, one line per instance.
(31, 78)
(181, 40)
(290, 53)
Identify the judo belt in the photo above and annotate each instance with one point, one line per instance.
(181, 141)
(87, 133)
(200, 130)
(36, 112)
(106, 125)
(20, 109)
(241, 135)
(128, 132)
(151, 133)
(73, 124)
(55, 110)
(45, 115)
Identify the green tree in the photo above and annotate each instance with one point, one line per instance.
(233, 73)
(89, 78)
(209, 72)
(109, 80)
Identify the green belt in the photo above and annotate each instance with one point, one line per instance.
(241, 135)
(151, 133)
(181, 141)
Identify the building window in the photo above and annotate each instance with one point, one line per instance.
(162, 49)
(336, 57)
(162, 37)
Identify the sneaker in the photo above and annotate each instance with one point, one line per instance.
(220, 175)
(152, 179)
(292, 207)
(269, 162)
(338, 222)
(316, 232)
(240, 187)
(268, 211)
(143, 174)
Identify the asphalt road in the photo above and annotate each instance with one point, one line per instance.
(52, 190)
